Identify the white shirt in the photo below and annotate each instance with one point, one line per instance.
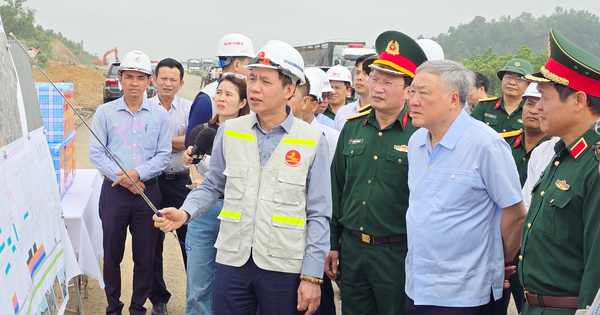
(540, 157)
(331, 135)
(342, 114)
(179, 115)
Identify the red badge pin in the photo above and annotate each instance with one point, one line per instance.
(292, 158)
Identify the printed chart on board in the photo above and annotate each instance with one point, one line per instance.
(32, 259)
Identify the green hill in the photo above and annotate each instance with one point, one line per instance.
(506, 35)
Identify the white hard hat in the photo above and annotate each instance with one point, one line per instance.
(280, 56)
(326, 87)
(316, 84)
(235, 45)
(532, 91)
(136, 61)
(339, 73)
(432, 50)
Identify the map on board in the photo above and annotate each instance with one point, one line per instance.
(10, 121)
(36, 256)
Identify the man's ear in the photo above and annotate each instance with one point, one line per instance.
(581, 100)
(289, 91)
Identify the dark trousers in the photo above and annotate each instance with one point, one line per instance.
(173, 192)
(119, 209)
(242, 290)
(412, 309)
(516, 289)
(327, 306)
(372, 276)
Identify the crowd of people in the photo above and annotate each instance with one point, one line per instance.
(422, 196)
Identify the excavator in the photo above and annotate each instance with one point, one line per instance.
(103, 61)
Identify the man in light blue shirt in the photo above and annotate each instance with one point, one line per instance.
(138, 133)
(465, 213)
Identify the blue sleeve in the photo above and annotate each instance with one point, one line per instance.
(98, 156)
(200, 112)
(213, 185)
(503, 186)
(318, 212)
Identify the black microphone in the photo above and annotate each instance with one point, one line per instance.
(203, 144)
(191, 139)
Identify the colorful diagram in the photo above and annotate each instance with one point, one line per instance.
(36, 256)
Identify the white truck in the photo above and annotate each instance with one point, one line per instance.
(193, 66)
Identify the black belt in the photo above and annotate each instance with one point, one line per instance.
(151, 181)
(379, 240)
(178, 175)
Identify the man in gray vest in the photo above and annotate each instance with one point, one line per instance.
(273, 170)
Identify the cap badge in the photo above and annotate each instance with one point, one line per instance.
(562, 185)
(517, 64)
(393, 48)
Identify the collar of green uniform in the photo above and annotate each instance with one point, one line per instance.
(522, 143)
(590, 137)
(501, 99)
(371, 119)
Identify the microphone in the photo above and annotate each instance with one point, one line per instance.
(203, 144)
(193, 134)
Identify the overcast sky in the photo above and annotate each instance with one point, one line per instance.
(184, 29)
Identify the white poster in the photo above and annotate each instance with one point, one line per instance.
(36, 256)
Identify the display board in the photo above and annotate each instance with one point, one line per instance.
(36, 256)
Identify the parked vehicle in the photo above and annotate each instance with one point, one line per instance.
(332, 53)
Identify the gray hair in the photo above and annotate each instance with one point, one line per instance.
(453, 76)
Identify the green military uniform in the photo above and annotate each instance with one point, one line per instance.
(492, 110)
(370, 195)
(493, 113)
(560, 249)
(329, 113)
(520, 154)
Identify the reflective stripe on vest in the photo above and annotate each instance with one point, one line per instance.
(311, 143)
(288, 220)
(239, 135)
(230, 214)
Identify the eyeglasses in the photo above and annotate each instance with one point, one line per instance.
(508, 78)
(236, 75)
(375, 81)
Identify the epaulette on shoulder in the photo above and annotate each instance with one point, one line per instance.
(511, 133)
(489, 99)
(358, 115)
(364, 108)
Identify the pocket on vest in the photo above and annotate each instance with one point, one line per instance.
(229, 237)
(236, 182)
(290, 188)
(287, 239)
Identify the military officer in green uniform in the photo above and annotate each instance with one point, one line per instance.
(525, 141)
(522, 144)
(369, 186)
(503, 113)
(560, 251)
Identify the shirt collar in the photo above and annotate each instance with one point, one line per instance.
(286, 124)
(121, 105)
(402, 119)
(452, 135)
(174, 103)
(579, 146)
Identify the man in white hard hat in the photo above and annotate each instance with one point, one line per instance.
(273, 172)
(304, 103)
(234, 51)
(326, 96)
(341, 81)
(138, 133)
(361, 75)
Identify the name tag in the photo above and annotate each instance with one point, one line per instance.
(490, 116)
(356, 141)
(401, 148)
